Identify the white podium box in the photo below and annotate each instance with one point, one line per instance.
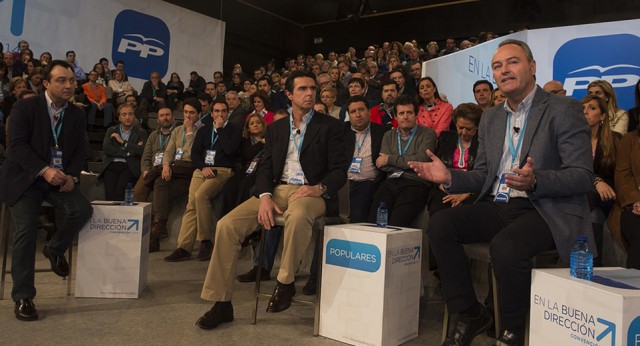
(370, 284)
(570, 311)
(113, 251)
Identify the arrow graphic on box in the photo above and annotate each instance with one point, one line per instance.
(611, 328)
(134, 222)
(417, 248)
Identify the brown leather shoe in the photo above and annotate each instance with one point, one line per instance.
(281, 298)
(251, 275)
(178, 255)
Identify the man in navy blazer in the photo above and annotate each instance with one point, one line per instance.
(304, 166)
(45, 156)
(531, 175)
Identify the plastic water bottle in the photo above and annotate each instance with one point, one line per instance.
(581, 259)
(128, 195)
(383, 215)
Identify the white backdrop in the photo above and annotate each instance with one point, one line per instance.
(147, 35)
(575, 55)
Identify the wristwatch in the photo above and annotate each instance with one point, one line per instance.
(75, 179)
(322, 187)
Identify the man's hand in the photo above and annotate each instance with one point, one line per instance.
(605, 191)
(523, 178)
(265, 212)
(306, 191)
(434, 171)
(144, 174)
(208, 173)
(166, 172)
(455, 199)
(68, 184)
(218, 122)
(382, 160)
(188, 124)
(117, 137)
(54, 176)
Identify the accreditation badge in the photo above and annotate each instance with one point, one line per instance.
(56, 159)
(356, 165)
(210, 157)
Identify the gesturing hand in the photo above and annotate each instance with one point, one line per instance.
(523, 178)
(434, 171)
(265, 212)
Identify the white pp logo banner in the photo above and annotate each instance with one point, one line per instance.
(574, 55)
(147, 35)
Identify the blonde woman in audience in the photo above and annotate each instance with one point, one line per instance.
(604, 142)
(121, 88)
(328, 96)
(618, 118)
(497, 97)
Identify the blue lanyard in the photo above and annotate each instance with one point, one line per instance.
(359, 145)
(298, 145)
(406, 147)
(214, 137)
(56, 130)
(204, 116)
(163, 142)
(461, 163)
(514, 151)
(122, 135)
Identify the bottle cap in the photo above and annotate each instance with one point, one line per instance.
(581, 238)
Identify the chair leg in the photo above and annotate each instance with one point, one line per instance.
(4, 225)
(445, 323)
(496, 304)
(316, 316)
(68, 278)
(261, 247)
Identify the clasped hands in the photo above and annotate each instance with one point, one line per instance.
(56, 177)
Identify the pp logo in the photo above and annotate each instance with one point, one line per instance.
(353, 255)
(613, 58)
(142, 42)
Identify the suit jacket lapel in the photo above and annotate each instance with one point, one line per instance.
(495, 141)
(538, 105)
(310, 133)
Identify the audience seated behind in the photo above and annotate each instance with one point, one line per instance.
(433, 111)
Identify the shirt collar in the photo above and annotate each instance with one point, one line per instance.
(52, 106)
(363, 131)
(525, 104)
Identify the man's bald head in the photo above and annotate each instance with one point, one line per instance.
(555, 87)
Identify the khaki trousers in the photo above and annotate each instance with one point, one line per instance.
(196, 221)
(241, 221)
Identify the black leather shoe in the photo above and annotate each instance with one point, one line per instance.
(467, 328)
(204, 253)
(309, 288)
(221, 312)
(509, 339)
(25, 310)
(178, 255)
(251, 275)
(281, 298)
(59, 264)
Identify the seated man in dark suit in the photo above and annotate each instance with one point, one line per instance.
(304, 166)
(45, 156)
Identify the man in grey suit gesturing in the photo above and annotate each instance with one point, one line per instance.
(531, 177)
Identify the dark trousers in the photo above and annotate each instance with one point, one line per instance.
(360, 197)
(116, 178)
(272, 241)
(630, 226)
(72, 212)
(516, 232)
(161, 195)
(405, 198)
